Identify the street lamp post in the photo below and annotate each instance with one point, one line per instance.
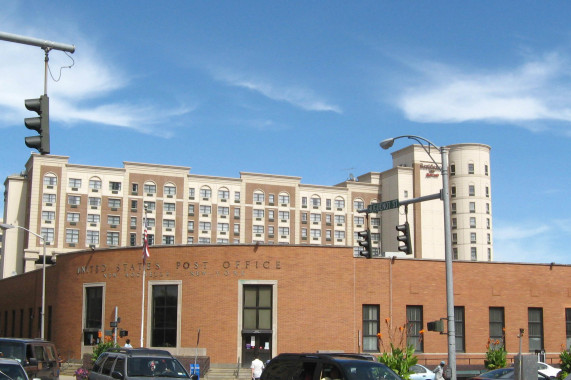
(42, 314)
(426, 145)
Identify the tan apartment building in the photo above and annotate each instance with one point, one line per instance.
(78, 206)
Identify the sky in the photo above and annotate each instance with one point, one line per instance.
(308, 89)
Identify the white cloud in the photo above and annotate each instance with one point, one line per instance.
(298, 96)
(536, 90)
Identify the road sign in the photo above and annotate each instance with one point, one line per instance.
(383, 206)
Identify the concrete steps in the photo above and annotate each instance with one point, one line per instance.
(218, 373)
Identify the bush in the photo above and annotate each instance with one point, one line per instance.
(565, 358)
(400, 360)
(495, 355)
(101, 348)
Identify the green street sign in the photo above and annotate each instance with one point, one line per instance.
(383, 206)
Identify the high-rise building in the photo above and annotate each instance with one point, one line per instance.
(77, 207)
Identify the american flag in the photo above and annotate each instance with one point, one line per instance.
(146, 252)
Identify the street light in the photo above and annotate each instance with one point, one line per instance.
(426, 145)
(42, 314)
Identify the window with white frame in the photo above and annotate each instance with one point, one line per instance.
(169, 207)
(237, 213)
(150, 206)
(315, 217)
(284, 215)
(223, 193)
(95, 184)
(73, 217)
(114, 203)
(48, 215)
(92, 237)
(223, 210)
(339, 202)
(93, 218)
(205, 192)
(340, 219)
(113, 220)
(168, 223)
(358, 204)
(149, 188)
(204, 226)
(170, 190)
(258, 196)
(470, 168)
(283, 198)
(258, 229)
(472, 222)
(48, 234)
(49, 198)
(339, 234)
(71, 235)
(94, 202)
(75, 182)
(191, 192)
(316, 233)
(315, 201)
(471, 190)
(112, 238)
(50, 180)
(257, 213)
(236, 228)
(284, 231)
(359, 220)
(168, 239)
(223, 227)
(237, 196)
(190, 225)
(133, 222)
(73, 200)
(271, 199)
(204, 209)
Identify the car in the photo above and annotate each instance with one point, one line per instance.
(11, 369)
(38, 357)
(131, 363)
(420, 372)
(309, 366)
(493, 374)
(511, 374)
(547, 370)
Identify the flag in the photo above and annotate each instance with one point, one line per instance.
(146, 253)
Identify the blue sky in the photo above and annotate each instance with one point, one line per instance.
(309, 89)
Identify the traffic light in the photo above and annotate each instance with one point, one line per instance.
(123, 333)
(365, 243)
(435, 326)
(41, 124)
(405, 238)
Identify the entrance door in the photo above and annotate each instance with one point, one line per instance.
(256, 323)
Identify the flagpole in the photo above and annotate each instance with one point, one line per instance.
(145, 254)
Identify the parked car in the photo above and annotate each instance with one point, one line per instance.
(547, 370)
(420, 372)
(493, 374)
(510, 375)
(11, 369)
(130, 363)
(38, 357)
(326, 366)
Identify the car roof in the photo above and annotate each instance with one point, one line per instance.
(24, 340)
(9, 361)
(328, 356)
(140, 352)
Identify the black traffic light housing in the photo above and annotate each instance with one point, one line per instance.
(365, 243)
(123, 333)
(40, 124)
(405, 238)
(435, 326)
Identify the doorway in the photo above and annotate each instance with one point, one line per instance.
(257, 314)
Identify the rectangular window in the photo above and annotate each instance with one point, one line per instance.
(283, 215)
(134, 188)
(453, 191)
(133, 222)
(497, 327)
(471, 190)
(150, 206)
(472, 207)
(71, 235)
(170, 207)
(168, 223)
(283, 198)
(535, 328)
(48, 234)
(473, 237)
(236, 228)
(170, 190)
(49, 198)
(258, 213)
(237, 196)
(150, 222)
(460, 328)
(452, 169)
(94, 202)
(223, 194)
(204, 226)
(205, 192)
(283, 231)
(168, 239)
(74, 200)
(340, 219)
(473, 254)
(132, 239)
(470, 168)
(316, 201)
(114, 186)
(48, 215)
(258, 229)
(92, 237)
(568, 326)
(93, 218)
(113, 220)
(112, 238)
(93, 318)
(257, 309)
(164, 315)
(94, 184)
(315, 233)
(223, 227)
(149, 188)
(190, 226)
(486, 169)
(114, 203)
(472, 222)
(340, 234)
(415, 323)
(340, 203)
(191, 192)
(304, 201)
(315, 217)
(453, 208)
(358, 220)
(258, 197)
(223, 210)
(205, 209)
(75, 182)
(50, 180)
(371, 327)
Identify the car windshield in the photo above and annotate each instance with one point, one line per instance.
(12, 372)
(155, 367)
(12, 350)
(368, 370)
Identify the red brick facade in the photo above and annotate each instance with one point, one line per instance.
(319, 293)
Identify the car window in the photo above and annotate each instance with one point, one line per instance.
(39, 353)
(12, 350)
(417, 369)
(367, 370)
(106, 368)
(278, 370)
(12, 372)
(155, 367)
(331, 372)
(120, 365)
(50, 352)
(98, 362)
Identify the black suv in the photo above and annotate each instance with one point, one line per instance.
(38, 357)
(326, 367)
(129, 363)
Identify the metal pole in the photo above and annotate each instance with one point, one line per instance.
(36, 42)
(448, 259)
(43, 313)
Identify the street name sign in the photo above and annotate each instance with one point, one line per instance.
(383, 206)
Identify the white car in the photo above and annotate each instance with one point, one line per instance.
(420, 372)
(547, 370)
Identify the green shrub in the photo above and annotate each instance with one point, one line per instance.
(400, 360)
(565, 358)
(101, 348)
(496, 355)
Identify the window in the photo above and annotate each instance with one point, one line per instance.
(535, 328)
(237, 196)
(340, 219)
(371, 328)
(190, 226)
(339, 234)
(315, 217)
(453, 191)
(112, 238)
(204, 226)
(472, 222)
(473, 254)
(258, 197)
(223, 210)
(205, 192)
(284, 231)
(92, 237)
(150, 206)
(164, 315)
(48, 215)
(487, 192)
(415, 323)
(49, 198)
(283, 215)
(132, 239)
(455, 253)
(258, 229)
(488, 223)
(568, 326)
(454, 238)
(71, 236)
(223, 227)
(168, 239)
(237, 213)
(304, 232)
(358, 204)
(454, 223)
(203, 240)
(315, 201)
(95, 184)
(489, 240)
(133, 222)
(487, 208)
(470, 168)
(339, 202)
(452, 169)
(73, 200)
(223, 193)
(72, 217)
(472, 207)
(205, 209)
(170, 190)
(375, 222)
(359, 220)
(190, 240)
(497, 326)
(93, 317)
(75, 182)
(151, 239)
(271, 215)
(453, 208)
(304, 201)
(113, 220)
(114, 203)
(191, 210)
(50, 180)
(168, 223)
(114, 186)
(94, 202)
(473, 237)
(169, 207)
(150, 222)
(93, 218)
(149, 188)
(134, 204)
(283, 198)
(328, 218)
(459, 326)
(315, 233)
(236, 228)
(486, 172)
(471, 190)
(328, 204)
(134, 188)
(271, 199)
(258, 213)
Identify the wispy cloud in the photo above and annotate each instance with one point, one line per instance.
(298, 96)
(536, 90)
(86, 93)
(532, 241)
